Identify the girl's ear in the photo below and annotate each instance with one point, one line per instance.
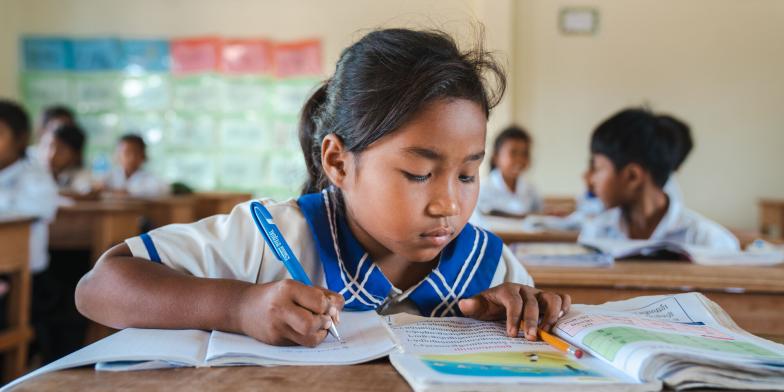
(334, 159)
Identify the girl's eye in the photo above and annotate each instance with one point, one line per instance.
(467, 179)
(416, 177)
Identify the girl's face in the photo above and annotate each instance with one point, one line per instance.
(412, 192)
(512, 158)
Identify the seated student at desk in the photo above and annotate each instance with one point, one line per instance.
(506, 192)
(52, 118)
(381, 223)
(633, 154)
(65, 159)
(129, 177)
(27, 189)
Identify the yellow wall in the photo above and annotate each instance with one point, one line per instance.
(715, 63)
(718, 64)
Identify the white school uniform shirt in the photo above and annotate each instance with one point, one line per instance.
(679, 224)
(231, 247)
(673, 189)
(494, 194)
(27, 189)
(141, 183)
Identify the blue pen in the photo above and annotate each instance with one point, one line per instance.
(274, 238)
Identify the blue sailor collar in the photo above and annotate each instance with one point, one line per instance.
(466, 267)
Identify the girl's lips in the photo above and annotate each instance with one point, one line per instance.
(439, 236)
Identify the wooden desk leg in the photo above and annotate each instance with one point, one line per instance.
(18, 316)
(110, 229)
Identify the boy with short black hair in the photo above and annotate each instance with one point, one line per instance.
(633, 154)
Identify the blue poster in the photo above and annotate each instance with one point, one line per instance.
(46, 54)
(97, 54)
(146, 55)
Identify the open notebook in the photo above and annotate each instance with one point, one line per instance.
(682, 340)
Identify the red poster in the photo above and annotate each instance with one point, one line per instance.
(191, 55)
(246, 56)
(298, 58)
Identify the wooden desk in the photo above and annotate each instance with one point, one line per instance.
(15, 264)
(510, 237)
(374, 376)
(751, 295)
(213, 203)
(94, 225)
(772, 217)
(162, 211)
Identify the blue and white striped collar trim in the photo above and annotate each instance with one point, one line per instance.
(466, 267)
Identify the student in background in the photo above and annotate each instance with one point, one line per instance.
(27, 189)
(51, 118)
(506, 192)
(65, 160)
(633, 154)
(683, 147)
(129, 177)
(391, 185)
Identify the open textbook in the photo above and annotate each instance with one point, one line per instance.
(620, 249)
(681, 340)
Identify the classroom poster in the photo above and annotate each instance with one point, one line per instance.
(216, 113)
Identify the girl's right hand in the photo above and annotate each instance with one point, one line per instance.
(287, 312)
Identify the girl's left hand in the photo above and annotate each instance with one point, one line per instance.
(516, 302)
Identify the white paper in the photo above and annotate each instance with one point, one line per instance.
(364, 335)
(176, 346)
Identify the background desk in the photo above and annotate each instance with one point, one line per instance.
(753, 296)
(15, 265)
(94, 225)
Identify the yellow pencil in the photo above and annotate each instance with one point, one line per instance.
(560, 344)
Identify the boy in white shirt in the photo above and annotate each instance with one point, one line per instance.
(506, 192)
(130, 178)
(633, 154)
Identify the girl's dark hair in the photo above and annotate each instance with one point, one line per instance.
(382, 81)
(73, 137)
(16, 119)
(512, 132)
(640, 136)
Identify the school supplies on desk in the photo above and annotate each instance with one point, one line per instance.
(559, 344)
(621, 249)
(681, 341)
(274, 238)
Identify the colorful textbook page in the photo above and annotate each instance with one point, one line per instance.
(458, 350)
(627, 334)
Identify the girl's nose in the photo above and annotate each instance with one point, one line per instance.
(445, 204)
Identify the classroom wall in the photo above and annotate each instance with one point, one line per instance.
(8, 48)
(718, 64)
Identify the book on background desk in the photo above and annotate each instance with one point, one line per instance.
(621, 249)
(560, 254)
(681, 340)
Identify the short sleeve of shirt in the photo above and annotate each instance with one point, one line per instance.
(230, 246)
(510, 270)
